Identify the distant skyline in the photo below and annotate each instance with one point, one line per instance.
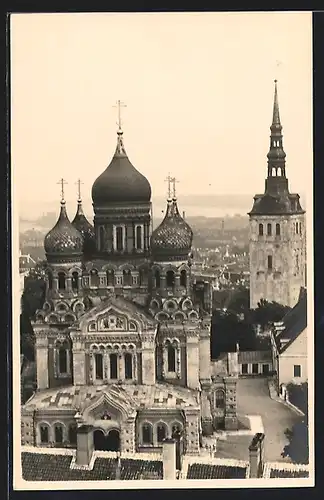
(198, 89)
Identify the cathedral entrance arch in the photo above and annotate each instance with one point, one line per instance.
(109, 442)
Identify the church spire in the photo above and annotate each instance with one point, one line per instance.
(276, 115)
(276, 155)
(120, 149)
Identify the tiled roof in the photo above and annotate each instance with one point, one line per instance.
(294, 322)
(254, 357)
(284, 473)
(135, 396)
(47, 467)
(209, 471)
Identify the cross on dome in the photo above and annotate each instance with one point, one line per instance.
(78, 183)
(119, 104)
(62, 182)
(169, 180)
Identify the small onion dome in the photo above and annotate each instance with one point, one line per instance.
(64, 240)
(173, 237)
(81, 223)
(120, 182)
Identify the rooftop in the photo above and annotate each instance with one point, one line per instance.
(136, 396)
(294, 323)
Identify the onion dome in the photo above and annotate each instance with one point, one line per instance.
(173, 237)
(120, 182)
(64, 241)
(81, 223)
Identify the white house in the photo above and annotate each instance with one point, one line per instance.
(289, 344)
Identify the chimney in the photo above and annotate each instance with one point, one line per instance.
(256, 454)
(232, 362)
(84, 445)
(183, 214)
(169, 459)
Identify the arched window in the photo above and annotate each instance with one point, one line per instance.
(147, 434)
(170, 279)
(260, 229)
(61, 280)
(220, 398)
(58, 431)
(157, 279)
(75, 281)
(161, 432)
(183, 278)
(269, 229)
(277, 229)
(50, 280)
(110, 277)
(101, 238)
(171, 358)
(127, 277)
(297, 228)
(62, 360)
(269, 261)
(300, 228)
(73, 434)
(94, 278)
(128, 366)
(99, 366)
(113, 366)
(44, 434)
(139, 237)
(119, 239)
(176, 430)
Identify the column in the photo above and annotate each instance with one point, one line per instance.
(204, 356)
(85, 443)
(55, 283)
(121, 367)
(69, 284)
(178, 360)
(79, 366)
(55, 362)
(114, 238)
(79, 282)
(68, 362)
(192, 360)
(42, 362)
(106, 361)
(135, 366)
(177, 281)
(148, 359)
(164, 361)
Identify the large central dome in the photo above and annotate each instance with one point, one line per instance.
(120, 182)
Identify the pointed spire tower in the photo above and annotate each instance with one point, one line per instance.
(276, 180)
(277, 230)
(81, 223)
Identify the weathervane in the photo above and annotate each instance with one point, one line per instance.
(62, 182)
(119, 104)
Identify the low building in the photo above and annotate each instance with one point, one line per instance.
(255, 363)
(289, 344)
(86, 464)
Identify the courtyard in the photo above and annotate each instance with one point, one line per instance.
(253, 399)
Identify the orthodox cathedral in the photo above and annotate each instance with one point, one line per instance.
(123, 338)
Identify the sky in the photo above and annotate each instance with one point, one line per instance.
(198, 89)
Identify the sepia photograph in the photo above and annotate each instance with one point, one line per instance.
(162, 250)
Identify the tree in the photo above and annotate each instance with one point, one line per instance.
(297, 448)
(268, 312)
(228, 330)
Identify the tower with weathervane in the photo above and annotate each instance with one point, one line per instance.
(277, 230)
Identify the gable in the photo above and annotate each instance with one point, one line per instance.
(116, 315)
(298, 347)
